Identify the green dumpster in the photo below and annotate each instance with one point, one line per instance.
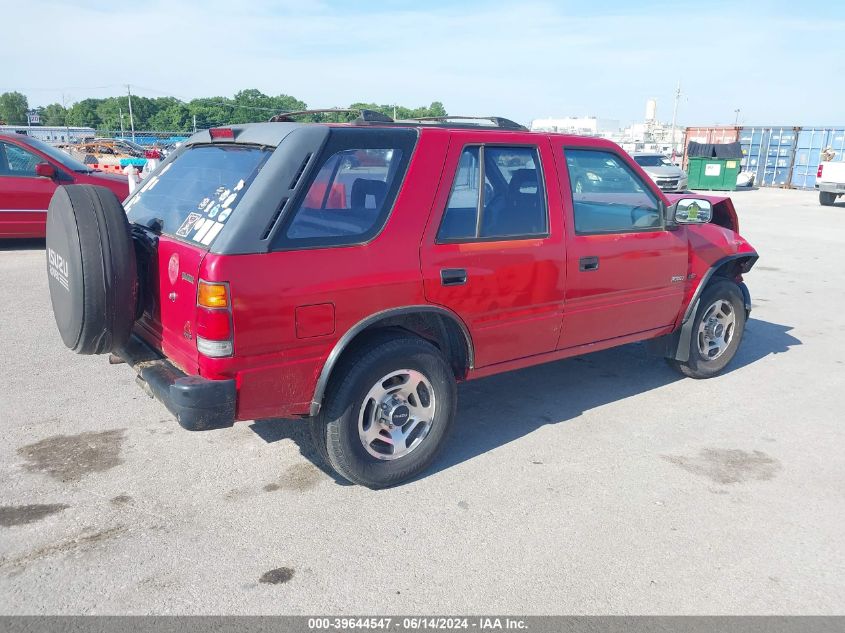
(713, 173)
(713, 166)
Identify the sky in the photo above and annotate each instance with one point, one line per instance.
(778, 62)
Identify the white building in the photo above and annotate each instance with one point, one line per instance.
(583, 125)
(51, 134)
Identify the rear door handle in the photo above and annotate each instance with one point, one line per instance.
(453, 276)
(587, 264)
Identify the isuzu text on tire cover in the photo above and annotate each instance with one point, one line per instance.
(352, 274)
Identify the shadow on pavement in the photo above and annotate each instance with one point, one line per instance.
(27, 244)
(500, 409)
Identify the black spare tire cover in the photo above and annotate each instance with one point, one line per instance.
(91, 268)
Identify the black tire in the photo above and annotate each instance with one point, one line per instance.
(91, 269)
(698, 365)
(826, 198)
(335, 429)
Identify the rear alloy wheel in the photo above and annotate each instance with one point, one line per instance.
(716, 331)
(826, 198)
(387, 411)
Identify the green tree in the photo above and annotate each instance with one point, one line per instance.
(53, 114)
(173, 117)
(13, 108)
(84, 113)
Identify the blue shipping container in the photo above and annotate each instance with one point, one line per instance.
(811, 142)
(768, 152)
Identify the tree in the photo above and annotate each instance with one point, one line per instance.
(53, 114)
(13, 108)
(84, 113)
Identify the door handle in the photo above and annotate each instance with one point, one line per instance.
(453, 276)
(587, 264)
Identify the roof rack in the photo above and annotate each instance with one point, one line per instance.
(372, 116)
(364, 115)
(497, 121)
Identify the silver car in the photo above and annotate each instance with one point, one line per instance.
(668, 176)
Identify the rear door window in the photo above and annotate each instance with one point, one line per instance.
(497, 194)
(194, 196)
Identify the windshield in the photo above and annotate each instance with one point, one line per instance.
(193, 196)
(653, 161)
(58, 155)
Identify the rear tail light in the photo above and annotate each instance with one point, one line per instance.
(819, 172)
(214, 320)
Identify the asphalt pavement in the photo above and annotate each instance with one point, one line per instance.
(604, 484)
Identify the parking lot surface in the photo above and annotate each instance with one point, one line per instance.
(605, 484)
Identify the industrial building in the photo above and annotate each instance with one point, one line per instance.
(51, 134)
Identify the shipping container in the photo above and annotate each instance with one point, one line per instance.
(768, 153)
(811, 142)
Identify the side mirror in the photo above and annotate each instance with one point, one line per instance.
(692, 211)
(45, 170)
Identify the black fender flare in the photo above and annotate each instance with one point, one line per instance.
(677, 344)
(373, 319)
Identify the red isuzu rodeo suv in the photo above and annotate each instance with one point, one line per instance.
(353, 273)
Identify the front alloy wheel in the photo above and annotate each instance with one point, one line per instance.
(716, 329)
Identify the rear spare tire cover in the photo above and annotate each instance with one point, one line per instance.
(91, 269)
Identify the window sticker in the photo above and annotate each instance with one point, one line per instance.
(188, 224)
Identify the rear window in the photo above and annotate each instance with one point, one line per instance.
(195, 195)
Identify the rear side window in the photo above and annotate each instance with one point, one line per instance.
(350, 191)
(497, 194)
(348, 196)
(607, 196)
(195, 195)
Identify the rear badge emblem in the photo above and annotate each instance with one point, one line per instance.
(173, 268)
(677, 278)
(188, 278)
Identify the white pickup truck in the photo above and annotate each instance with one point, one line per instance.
(830, 181)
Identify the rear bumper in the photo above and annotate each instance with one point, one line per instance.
(198, 403)
(831, 187)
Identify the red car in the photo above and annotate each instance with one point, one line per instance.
(30, 171)
(263, 274)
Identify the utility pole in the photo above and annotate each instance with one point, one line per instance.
(674, 117)
(67, 127)
(195, 124)
(120, 111)
(736, 118)
(131, 118)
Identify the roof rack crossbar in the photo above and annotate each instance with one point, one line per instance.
(364, 115)
(497, 121)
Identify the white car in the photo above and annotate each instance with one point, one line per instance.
(830, 181)
(667, 175)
